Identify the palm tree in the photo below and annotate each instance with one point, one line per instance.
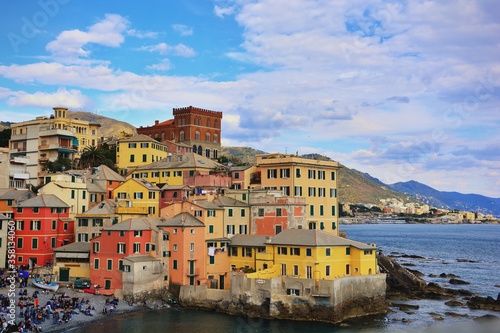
(92, 156)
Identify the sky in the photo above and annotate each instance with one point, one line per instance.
(402, 90)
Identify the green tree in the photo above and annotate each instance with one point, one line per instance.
(92, 156)
(5, 137)
(60, 164)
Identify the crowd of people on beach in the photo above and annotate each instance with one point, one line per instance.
(57, 310)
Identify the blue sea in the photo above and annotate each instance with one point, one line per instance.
(443, 248)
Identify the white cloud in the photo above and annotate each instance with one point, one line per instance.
(163, 65)
(163, 48)
(184, 30)
(108, 32)
(224, 11)
(68, 98)
(142, 34)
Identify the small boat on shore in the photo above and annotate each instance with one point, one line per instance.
(52, 286)
(96, 290)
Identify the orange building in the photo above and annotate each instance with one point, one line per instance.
(187, 261)
(42, 224)
(11, 197)
(195, 127)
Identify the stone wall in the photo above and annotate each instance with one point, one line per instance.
(329, 301)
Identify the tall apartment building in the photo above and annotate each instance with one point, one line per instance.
(295, 176)
(43, 139)
(198, 128)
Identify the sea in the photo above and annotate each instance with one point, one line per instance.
(470, 251)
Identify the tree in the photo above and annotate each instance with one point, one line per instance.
(60, 164)
(5, 137)
(92, 156)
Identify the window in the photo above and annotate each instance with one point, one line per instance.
(321, 192)
(327, 270)
(137, 247)
(242, 212)
(312, 191)
(191, 247)
(207, 137)
(285, 190)
(96, 263)
(333, 193)
(272, 173)
(137, 233)
(347, 269)
(110, 264)
(230, 229)
(120, 265)
(295, 251)
(97, 222)
(283, 269)
(83, 222)
(54, 224)
(347, 251)
(278, 212)
(175, 247)
(322, 225)
(84, 194)
(211, 213)
(260, 212)
(334, 226)
(144, 157)
(233, 251)
(53, 242)
(212, 260)
(216, 138)
(297, 172)
(243, 229)
(246, 252)
(35, 210)
(132, 158)
(230, 212)
(321, 210)
(197, 136)
(174, 264)
(93, 197)
(96, 246)
(19, 243)
(285, 173)
(295, 270)
(309, 252)
(297, 191)
(321, 174)
(132, 145)
(311, 174)
(144, 145)
(333, 175)
(72, 194)
(328, 251)
(283, 250)
(152, 195)
(311, 210)
(333, 210)
(34, 243)
(121, 247)
(177, 173)
(122, 233)
(198, 213)
(368, 252)
(150, 247)
(84, 237)
(35, 225)
(137, 195)
(211, 229)
(19, 225)
(236, 175)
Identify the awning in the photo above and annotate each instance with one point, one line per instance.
(75, 141)
(72, 255)
(67, 137)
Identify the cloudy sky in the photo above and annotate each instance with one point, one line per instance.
(399, 89)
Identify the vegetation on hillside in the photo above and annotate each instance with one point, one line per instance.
(5, 137)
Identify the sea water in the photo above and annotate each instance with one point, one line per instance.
(468, 251)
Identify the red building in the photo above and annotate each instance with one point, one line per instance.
(42, 224)
(132, 237)
(195, 127)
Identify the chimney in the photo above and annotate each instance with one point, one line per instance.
(157, 122)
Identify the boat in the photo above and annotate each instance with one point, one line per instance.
(97, 290)
(52, 286)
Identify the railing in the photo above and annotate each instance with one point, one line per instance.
(193, 272)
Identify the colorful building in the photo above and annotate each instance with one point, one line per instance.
(138, 150)
(188, 250)
(135, 237)
(303, 253)
(314, 180)
(46, 138)
(72, 262)
(241, 176)
(138, 196)
(42, 224)
(195, 127)
(10, 197)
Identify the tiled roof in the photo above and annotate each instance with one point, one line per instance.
(12, 194)
(240, 167)
(139, 138)
(312, 237)
(106, 173)
(207, 204)
(43, 200)
(74, 247)
(137, 223)
(105, 207)
(182, 220)
(224, 201)
(179, 161)
(248, 240)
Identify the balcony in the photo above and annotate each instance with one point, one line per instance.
(20, 160)
(193, 272)
(19, 175)
(21, 150)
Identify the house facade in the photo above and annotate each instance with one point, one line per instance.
(138, 150)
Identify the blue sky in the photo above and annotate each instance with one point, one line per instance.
(399, 89)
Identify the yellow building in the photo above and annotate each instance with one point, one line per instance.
(74, 194)
(137, 196)
(185, 169)
(72, 261)
(303, 253)
(138, 150)
(43, 139)
(295, 176)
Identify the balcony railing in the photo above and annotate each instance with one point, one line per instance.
(18, 159)
(131, 210)
(193, 272)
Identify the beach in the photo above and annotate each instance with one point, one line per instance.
(93, 303)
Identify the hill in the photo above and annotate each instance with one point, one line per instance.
(449, 200)
(109, 126)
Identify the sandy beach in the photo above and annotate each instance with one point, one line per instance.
(95, 304)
